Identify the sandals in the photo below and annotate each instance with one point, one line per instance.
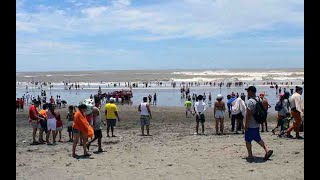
(267, 156)
(35, 143)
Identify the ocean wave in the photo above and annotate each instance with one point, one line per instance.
(228, 73)
(71, 75)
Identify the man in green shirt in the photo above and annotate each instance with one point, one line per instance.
(188, 105)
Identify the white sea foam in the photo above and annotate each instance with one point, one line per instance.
(228, 73)
(74, 75)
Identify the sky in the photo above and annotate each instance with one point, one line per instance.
(61, 35)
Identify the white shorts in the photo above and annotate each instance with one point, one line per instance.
(52, 124)
(219, 114)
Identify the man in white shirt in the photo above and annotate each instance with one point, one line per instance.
(238, 111)
(297, 108)
(200, 108)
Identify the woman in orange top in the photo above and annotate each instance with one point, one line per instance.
(81, 129)
(43, 123)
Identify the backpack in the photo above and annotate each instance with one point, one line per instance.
(278, 106)
(259, 114)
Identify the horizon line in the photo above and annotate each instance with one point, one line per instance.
(153, 69)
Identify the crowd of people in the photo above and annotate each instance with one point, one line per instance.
(246, 116)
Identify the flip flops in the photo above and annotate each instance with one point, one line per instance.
(267, 156)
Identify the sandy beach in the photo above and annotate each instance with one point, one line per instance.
(172, 152)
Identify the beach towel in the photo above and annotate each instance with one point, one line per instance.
(81, 124)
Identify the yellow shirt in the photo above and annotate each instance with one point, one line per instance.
(111, 109)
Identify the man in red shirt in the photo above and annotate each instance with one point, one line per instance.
(34, 119)
(18, 104)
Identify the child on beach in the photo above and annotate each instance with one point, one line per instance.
(59, 125)
(285, 124)
(70, 122)
(188, 105)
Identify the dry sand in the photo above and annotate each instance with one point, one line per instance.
(172, 152)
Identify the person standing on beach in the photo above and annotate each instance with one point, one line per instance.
(150, 98)
(111, 113)
(276, 88)
(210, 98)
(188, 105)
(266, 106)
(70, 116)
(51, 124)
(21, 104)
(81, 129)
(297, 108)
(145, 116)
(43, 123)
(282, 111)
(59, 125)
(251, 126)
(229, 104)
(18, 104)
(218, 110)
(238, 111)
(27, 97)
(155, 99)
(97, 127)
(34, 119)
(200, 108)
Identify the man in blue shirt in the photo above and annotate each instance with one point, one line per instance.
(230, 100)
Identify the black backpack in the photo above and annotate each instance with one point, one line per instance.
(278, 106)
(259, 114)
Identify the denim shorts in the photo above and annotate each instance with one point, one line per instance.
(252, 134)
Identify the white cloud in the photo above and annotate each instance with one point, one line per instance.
(25, 26)
(121, 3)
(178, 19)
(44, 47)
(94, 12)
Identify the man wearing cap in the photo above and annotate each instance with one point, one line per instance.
(266, 106)
(297, 108)
(200, 107)
(251, 126)
(34, 119)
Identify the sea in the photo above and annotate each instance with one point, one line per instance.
(167, 95)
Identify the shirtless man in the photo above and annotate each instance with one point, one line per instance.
(218, 111)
